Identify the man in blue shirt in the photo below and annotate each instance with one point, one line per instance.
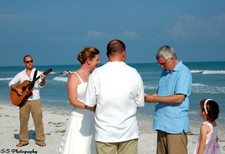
(171, 119)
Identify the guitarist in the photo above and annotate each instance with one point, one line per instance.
(33, 104)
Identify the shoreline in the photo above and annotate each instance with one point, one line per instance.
(55, 120)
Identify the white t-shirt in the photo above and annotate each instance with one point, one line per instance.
(117, 90)
(22, 76)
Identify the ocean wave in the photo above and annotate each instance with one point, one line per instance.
(5, 79)
(192, 112)
(213, 72)
(150, 87)
(55, 100)
(208, 71)
(207, 89)
(62, 79)
(54, 73)
(196, 71)
(198, 84)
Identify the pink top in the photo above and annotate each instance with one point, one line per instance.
(212, 146)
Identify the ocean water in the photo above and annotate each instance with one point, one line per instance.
(208, 82)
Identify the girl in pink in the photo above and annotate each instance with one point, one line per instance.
(208, 139)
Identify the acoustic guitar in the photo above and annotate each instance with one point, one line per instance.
(26, 86)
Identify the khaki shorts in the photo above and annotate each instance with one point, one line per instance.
(171, 143)
(126, 147)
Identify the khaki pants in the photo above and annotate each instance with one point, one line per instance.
(35, 108)
(171, 143)
(127, 147)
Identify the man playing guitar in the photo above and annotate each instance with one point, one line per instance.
(33, 103)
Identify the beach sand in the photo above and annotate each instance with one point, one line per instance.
(55, 121)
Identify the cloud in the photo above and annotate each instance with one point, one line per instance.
(189, 27)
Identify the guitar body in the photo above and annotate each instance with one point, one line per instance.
(20, 100)
(26, 86)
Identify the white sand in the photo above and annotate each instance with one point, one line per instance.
(55, 121)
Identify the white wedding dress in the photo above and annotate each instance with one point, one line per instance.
(79, 136)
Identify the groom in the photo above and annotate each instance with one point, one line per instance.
(117, 90)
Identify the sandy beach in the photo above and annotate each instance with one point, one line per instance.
(55, 121)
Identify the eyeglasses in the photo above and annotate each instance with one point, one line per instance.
(163, 64)
(31, 61)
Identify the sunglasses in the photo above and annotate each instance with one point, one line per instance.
(31, 61)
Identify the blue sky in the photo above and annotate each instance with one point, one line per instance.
(54, 31)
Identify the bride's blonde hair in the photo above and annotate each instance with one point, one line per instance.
(88, 52)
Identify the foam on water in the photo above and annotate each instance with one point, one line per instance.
(5, 79)
(63, 79)
(207, 89)
(208, 71)
(196, 71)
(213, 72)
(150, 87)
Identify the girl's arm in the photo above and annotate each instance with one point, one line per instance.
(202, 139)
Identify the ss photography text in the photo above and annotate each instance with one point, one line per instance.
(18, 151)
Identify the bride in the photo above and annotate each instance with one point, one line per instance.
(79, 135)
